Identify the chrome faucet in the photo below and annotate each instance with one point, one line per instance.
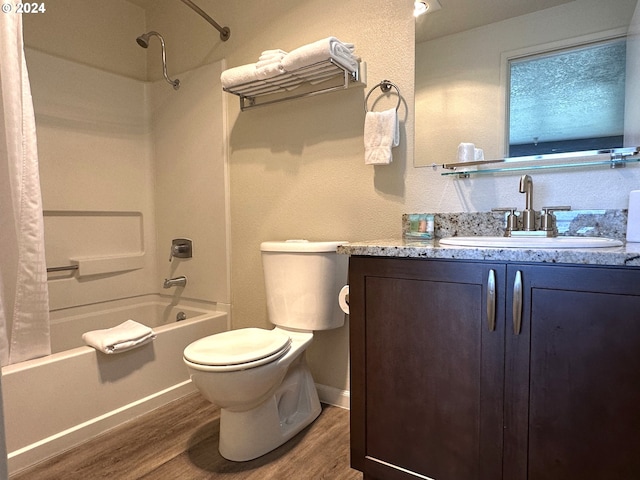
(528, 214)
(527, 226)
(180, 281)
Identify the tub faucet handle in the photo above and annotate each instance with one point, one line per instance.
(181, 248)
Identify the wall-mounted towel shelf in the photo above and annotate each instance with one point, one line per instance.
(314, 79)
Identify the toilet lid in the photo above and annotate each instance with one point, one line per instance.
(236, 347)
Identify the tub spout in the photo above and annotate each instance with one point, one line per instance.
(175, 282)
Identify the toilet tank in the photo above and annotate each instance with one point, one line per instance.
(302, 282)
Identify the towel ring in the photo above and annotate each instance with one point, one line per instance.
(385, 86)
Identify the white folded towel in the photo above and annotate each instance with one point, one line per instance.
(320, 50)
(269, 54)
(239, 75)
(381, 134)
(121, 338)
(269, 70)
(268, 62)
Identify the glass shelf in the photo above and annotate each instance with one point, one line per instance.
(614, 158)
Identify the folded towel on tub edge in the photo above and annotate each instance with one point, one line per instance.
(123, 337)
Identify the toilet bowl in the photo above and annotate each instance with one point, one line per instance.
(263, 402)
(259, 377)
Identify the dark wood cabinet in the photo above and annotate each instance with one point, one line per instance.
(461, 372)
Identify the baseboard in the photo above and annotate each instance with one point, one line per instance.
(334, 396)
(31, 454)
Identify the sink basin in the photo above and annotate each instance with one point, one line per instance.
(531, 242)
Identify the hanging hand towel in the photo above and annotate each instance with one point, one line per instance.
(121, 338)
(381, 134)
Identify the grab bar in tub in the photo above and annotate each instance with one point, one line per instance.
(62, 269)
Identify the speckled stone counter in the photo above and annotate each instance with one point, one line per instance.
(628, 255)
(608, 223)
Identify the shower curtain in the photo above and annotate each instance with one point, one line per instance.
(24, 298)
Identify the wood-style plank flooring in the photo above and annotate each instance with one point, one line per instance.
(180, 442)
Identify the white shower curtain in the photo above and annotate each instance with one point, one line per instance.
(24, 298)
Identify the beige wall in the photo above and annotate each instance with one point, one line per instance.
(120, 156)
(96, 176)
(91, 32)
(297, 168)
(191, 181)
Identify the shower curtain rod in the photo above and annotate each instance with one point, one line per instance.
(225, 33)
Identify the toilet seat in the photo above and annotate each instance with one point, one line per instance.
(237, 349)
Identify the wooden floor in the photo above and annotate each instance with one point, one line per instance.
(180, 442)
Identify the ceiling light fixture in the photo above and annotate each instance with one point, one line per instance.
(420, 7)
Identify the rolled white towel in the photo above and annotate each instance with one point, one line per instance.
(381, 134)
(235, 76)
(121, 338)
(320, 50)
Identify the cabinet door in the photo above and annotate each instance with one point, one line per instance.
(426, 369)
(573, 375)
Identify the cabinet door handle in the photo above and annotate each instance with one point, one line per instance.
(491, 300)
(517, 303)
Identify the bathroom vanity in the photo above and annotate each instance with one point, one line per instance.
(488, 363)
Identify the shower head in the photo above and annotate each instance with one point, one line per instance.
(143, 41)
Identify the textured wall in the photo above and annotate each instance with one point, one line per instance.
(297, 168)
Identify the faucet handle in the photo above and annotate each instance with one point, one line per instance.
(556, 209)
(512, 219)
(511, 210)
(548, 219)
(181, 248)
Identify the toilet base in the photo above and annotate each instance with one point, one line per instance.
(253, 433)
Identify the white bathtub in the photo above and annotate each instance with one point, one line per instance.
(58, 401)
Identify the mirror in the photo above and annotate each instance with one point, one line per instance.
(462, 54)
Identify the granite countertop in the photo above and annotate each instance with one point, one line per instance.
(627, 255)
(604, 223)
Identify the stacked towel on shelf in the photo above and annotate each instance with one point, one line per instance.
(268, 65)
(268, 54)
(121, 338)
(264, 76)
(327, 48)
(276, 69)
(239, 75)
(381, 134)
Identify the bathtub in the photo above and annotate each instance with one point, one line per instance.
(56, 402)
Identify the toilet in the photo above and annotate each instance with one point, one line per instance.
(259, 377)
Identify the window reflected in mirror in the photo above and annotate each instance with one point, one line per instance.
(567, 101)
